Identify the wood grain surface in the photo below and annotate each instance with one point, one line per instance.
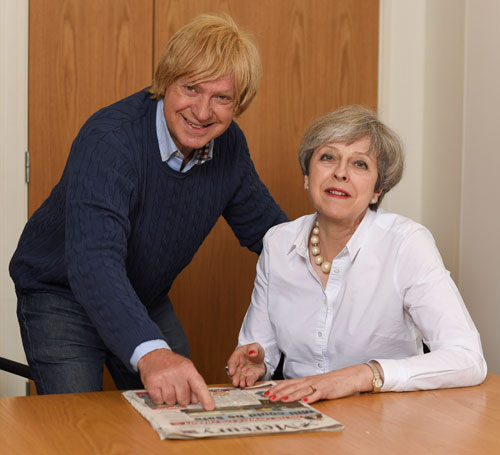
(449, 421)
(83, 55)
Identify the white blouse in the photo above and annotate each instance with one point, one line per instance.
(387, 291)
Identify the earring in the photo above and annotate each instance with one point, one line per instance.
(374, 200)
(307, 186)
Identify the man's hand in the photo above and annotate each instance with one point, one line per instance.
(171, 378)
(246, 365)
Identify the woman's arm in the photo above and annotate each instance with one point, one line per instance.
(256, 333)
(434, 303)
(326, 386)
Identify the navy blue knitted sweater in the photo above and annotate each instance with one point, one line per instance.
(121, 225)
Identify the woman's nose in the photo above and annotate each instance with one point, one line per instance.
(340, 172)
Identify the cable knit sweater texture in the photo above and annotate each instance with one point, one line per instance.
(121, 225)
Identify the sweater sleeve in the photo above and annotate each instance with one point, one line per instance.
(252, 211)
(102, 188)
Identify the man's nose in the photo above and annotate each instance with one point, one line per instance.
(202, 109)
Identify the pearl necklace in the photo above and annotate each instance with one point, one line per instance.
(316, 252)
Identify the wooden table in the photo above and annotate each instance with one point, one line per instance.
(451, 421)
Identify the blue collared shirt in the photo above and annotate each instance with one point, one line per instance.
(169, 152)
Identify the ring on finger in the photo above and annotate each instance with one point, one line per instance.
(313, 389)
(243, 374)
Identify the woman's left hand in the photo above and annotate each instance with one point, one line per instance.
(246, 365)
(327, 386)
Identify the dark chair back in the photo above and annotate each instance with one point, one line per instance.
(15, 368)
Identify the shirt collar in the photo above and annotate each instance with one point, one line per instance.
(302, 239)
(300, 244)
(167, 144)
(356, 241)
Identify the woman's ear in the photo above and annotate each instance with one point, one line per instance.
(375, 197)
(306, 182)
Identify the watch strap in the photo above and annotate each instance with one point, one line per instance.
(377, 381)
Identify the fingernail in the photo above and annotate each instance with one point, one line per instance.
(284, 398)
(251, 352)
(273, 397)
(305, 400)
(266, 393)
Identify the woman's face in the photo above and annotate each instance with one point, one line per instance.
(342, 180)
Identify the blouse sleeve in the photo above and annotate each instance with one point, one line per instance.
(434, 303)
(257, 327)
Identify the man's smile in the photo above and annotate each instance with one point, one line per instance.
(194, 125)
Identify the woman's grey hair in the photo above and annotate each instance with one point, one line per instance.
(348, 124)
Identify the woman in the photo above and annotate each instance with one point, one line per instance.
(350, 293)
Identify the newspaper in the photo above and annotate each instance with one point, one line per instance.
(238, 412)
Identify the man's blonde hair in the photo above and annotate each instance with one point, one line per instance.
(207, 48)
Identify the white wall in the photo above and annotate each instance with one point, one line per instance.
(420, 96)
(479, 276)
(13, 190)
(401, 94)
(439, 73)
(443, 122)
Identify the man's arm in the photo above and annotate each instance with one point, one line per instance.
(101, 191)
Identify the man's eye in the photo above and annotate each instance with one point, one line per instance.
(189, 88)
(224, 99)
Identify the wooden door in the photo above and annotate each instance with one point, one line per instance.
(83, 55)
(317, 55)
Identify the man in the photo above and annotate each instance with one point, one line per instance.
(145, 182)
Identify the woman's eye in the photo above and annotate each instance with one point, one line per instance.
(326, 157)
(361, 164)
(189, 88)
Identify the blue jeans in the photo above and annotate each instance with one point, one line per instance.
(66, 354)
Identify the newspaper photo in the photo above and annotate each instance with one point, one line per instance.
(238, 412)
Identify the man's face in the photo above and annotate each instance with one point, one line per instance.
(197, 113)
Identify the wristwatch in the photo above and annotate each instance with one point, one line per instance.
(377, 381)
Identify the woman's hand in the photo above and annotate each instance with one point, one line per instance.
(246, 365)
(327, 386)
